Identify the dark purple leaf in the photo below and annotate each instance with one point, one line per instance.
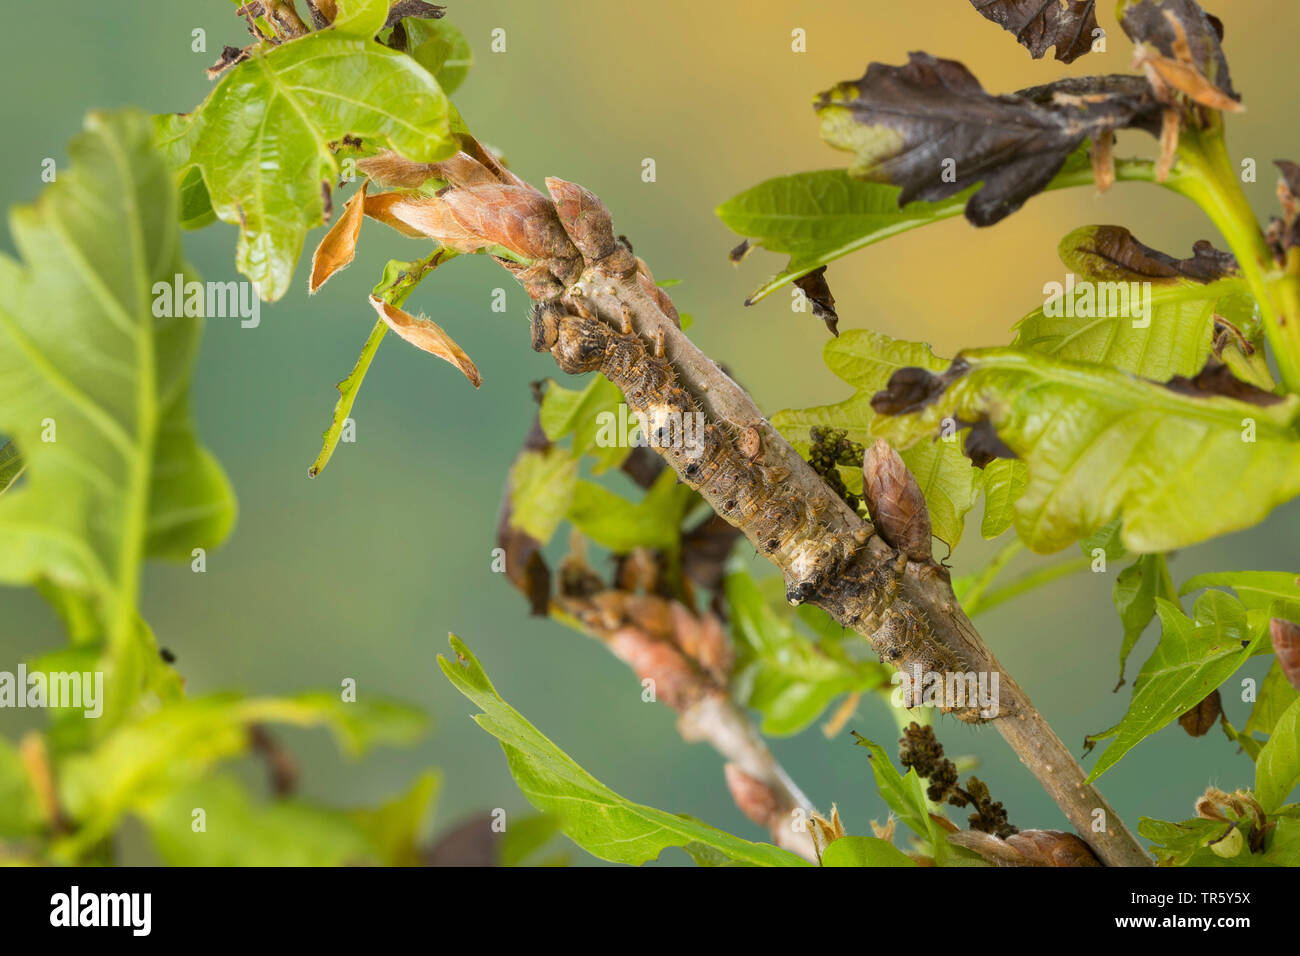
(1038, 24)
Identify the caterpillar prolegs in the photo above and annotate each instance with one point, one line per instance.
(748, 492)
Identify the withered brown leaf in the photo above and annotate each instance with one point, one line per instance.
(1286, 644)
(911, 389)
(419, 9)
(1038, 24)
(930, 128)
(1180, 49)
(1288, 193)
(394, 171)
(983, 445)
(1290, 175)
(425, 334)
(705, 549)
(819, 297)
(1216, 378)
(1198, 721)
(1112, 253)
(339, 246)
(525, 566)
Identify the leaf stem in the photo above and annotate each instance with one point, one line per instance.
(399, 281)
(1210, 180)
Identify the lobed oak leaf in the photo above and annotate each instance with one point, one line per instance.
(1069, 25)
(930, 128)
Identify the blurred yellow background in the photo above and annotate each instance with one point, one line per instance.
(362, 572)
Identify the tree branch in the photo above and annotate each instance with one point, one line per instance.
(706, 712)
(599, 310)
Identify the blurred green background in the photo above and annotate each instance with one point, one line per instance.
(362, 572)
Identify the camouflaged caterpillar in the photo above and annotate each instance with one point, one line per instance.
(747, 493)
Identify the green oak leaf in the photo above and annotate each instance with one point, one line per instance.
(1135, 592)
(1004, 482)
(620, 525)
(1275, 695)
(866, 360)
(1174, 339)
(781, 673)
(1277, 768)
(20, 810)
(94, 388)
(242, 832)
(1258, 590)
(262, 139)
(1188, 843)
(581, 414)
(818, 217)
(145, 760)
(1178, 466)
(525, 838)
(1194, 656)
(12, 466)
(864, 851)
(441, 48)
(399, 280)
(542, 485)
(904, 795)
(596, 818)
(361, 18)
(1176, 843)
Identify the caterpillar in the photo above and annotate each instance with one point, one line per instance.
(747, 492)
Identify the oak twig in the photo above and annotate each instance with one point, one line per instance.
(598, 309)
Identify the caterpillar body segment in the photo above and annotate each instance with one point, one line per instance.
(748, 493)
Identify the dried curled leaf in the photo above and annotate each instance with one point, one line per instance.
(1290, 180)
(339, 247)
(824, 831)
(819, 297)
(425, 334)
(1112, 254)
(1038, 24)
(1286, 644)
(1217, 379)
(394, 171)
(1198, 721)
(705, 550)
(895, 501)
(1179, 49)
(478, 217)
(930, 128)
